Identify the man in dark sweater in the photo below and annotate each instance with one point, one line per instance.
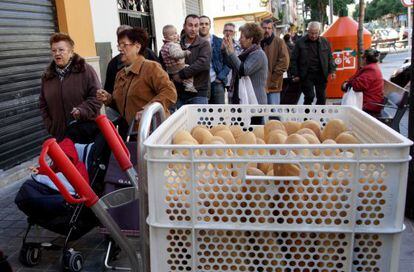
(312, 63)
(199, 64)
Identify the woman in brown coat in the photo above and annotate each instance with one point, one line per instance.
(68, 91)
(141, 82)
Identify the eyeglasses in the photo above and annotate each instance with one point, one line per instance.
(123, 45)
(58, 51)
(228, 30)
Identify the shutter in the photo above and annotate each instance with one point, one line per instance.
(193, 7)
(25, 28)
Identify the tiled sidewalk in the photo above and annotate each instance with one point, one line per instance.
(13, 226)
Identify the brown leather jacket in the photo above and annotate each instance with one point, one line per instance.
(146, 82)
(278, 63)
(58, 98)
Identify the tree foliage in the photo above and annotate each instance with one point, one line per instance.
(318, 8)
(378, 8)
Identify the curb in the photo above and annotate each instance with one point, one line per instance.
(16, 173)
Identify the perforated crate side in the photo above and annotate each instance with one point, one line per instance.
(236, 250)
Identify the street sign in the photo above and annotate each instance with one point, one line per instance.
(407, 3)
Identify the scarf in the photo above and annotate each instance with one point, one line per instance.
(267, 41)
(234, 86)
(62, 72)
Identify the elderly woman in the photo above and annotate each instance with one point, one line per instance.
(252, 61)
(141, 81)
(68, 90)
(368, 80)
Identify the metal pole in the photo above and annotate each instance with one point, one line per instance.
(330, 12)
(410, 26)
(117, 235)
(409, 204)
(144, 131)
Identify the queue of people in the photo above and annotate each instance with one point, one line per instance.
(196, 67)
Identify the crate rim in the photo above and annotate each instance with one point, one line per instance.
(404, 141)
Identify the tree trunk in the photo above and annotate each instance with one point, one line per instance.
(361, 32)
(321, 15)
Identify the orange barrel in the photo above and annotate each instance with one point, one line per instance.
(343, 38)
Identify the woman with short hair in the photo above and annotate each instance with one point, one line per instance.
(68, 90)
(368, 80)
(140, 82)
(252, 61)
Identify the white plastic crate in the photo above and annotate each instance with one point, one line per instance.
(361, 188)
(242, 250)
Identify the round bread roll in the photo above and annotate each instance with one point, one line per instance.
(296, 139)
(216, 140)
(314, 126)
(259, 141)
(214, 129)
(252, 171)
(332, 129)
(183, 135)
(197, 127)
(273, 133)
(226, 135)
(201, 134)
(252, 164)
(265, 167)
(259, 132)
(346, 138)
(292, 126)
(246, 138)
(276, 137)
(330, 152)
(184, 152)
(273, 125)
(312, 139)
(289, 170)
(236, 130)
(306, 131)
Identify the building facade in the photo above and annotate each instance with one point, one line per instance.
(25, 29)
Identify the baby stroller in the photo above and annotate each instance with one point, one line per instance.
(40, 200)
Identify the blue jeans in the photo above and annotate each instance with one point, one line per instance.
(217, 93)
(273, 98)
(193, 100)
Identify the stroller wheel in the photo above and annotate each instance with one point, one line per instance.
(72, 261)
(30, 255)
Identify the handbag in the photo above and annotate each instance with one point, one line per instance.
(246, 91)
(352, 98)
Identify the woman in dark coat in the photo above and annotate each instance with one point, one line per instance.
(68, 91)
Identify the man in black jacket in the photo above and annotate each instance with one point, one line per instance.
(312, 63)
(199, 64)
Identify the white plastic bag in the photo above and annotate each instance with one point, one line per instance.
(352, 98)
(246, 91)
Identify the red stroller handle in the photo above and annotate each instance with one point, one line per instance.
(82, 188)
(115, 142)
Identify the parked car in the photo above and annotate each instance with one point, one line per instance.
(382, 34)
